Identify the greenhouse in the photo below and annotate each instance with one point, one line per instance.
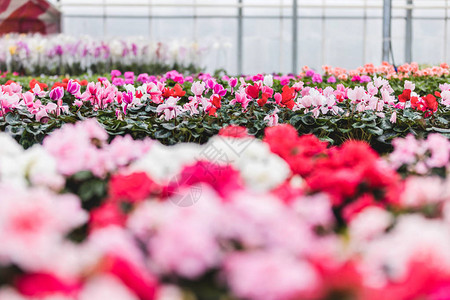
(224, 150)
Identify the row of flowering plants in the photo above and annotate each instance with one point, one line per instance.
(285, 217)
(376, 107)
(34, 54)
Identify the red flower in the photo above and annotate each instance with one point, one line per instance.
(287, 96)
(33, 82)
(224, 179)
(10, 82)
(299, 152)
(405, 96)
(107, 214)
(252, 91)
(263, 100)
(350, 171)
(234, 131)
(281, 139)
(142, 283)
(61, 84)
(357, 206)
(177, 91)
(212, 111)
(415, 103)
(37, 285)
(166, 93)
(132, 188)
(139, 94)
(431, 102)
(216, 101)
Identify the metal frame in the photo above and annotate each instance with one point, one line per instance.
(408, 33)
(387, 5)
(387, 17)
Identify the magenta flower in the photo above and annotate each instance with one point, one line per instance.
(127, 98)
(143, 78)
(57, 93)
(129, 75)
(232, 82)
(73, 87)
(317, 78)
(219, 90)
(118, 81)
(310, 73)
(331, 79)
(115, 73)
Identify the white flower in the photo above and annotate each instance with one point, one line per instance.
(268, 80)
(163, 162)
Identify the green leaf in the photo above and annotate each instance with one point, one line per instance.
(369, 117)
(169, 126)
(162, 134)
(308, 120)
(358, 125)
(441, 130)
(385, 124)
(12, 118)
(375, 131)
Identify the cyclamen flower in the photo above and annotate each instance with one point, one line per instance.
(73, 87)
(57, 93)
(118, 81)
(37, 90)
(272, 119)
(292, 278)
(115, 73)
(198, 88)
(241, 98)
(232, 82)
(170, 108)
(35, 219)
(268, 80)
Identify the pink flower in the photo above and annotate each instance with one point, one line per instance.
(357, 94)
(38, 92)
(170, 108)
(290, 278)
(409, 85)
(35, 219)
(272, 119)
(75, 148)
(198, 88)
(422, 191)
(241, 98)
(439, 147)
(393, 118)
